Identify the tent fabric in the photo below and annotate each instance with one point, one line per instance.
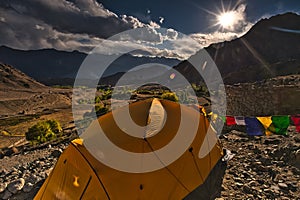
(296, 120)
(253, 126)
(199, 108)
(230, 121)
(156, 119)
(266, 122)
(239, 120)
(279, 124)
(212, 187)
(79, 175)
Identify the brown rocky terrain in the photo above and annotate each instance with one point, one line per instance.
(275, 96)
(267, 50)
(20, 94)
(262, 167)
(24, 102)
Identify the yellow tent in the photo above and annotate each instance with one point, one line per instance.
(81, 174)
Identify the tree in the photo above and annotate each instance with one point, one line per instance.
(170, 96)
(43, 131)
(101, 109)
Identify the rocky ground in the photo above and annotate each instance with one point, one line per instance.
(262, 168)
(22, 175)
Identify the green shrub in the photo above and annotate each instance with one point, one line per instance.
(43, 131)
(97, 99)
(54, 126)
(106, 95)
(101, 109)
(170, 96)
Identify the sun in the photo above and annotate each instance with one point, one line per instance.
(227, 19)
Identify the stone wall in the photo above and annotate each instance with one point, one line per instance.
(280, 96)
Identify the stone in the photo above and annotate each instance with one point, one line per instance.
(252, 183)
(15, 150)
(2, 187)
(27, 187)
(7, 195)
(56, 153)
(283, 185)
(16, 185)
(239, 184)
(247, 189)
(48, 171)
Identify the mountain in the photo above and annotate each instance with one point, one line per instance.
(13, 79)
(51, 66)
(269, 49)
(21, 94)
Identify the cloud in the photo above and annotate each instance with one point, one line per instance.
(39, 27)
(240, 23)
(34, 24)
(143, 35)
(80, 16)
(154, 24)
(171, 34)
(205, 39)
(237, 29)
(167, 43)
(92, 7)
(30, 33)
(161, 20)
(84, 24)
(133, 20)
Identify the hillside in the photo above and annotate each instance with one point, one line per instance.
(22, 94)
(11, 78)
(54, 67)
(269, 49)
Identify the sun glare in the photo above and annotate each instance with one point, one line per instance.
(227, 19)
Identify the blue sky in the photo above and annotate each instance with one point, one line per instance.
(190, 16)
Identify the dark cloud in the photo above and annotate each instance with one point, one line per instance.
(75, 25)
(22, 32)
(83, 24)
(79, 16)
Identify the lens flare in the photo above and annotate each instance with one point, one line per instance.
(172, 76)
(227, 19)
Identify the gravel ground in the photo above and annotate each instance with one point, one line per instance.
(262, 168)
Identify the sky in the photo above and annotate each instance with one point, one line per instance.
(174, 29)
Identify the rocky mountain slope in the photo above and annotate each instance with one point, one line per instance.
(20, 94)
(11, 78)
(269, 49)
(51, 66)
(275, 96)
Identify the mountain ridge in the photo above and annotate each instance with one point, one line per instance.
(263, 52)
(61, 66)
(269, 49)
